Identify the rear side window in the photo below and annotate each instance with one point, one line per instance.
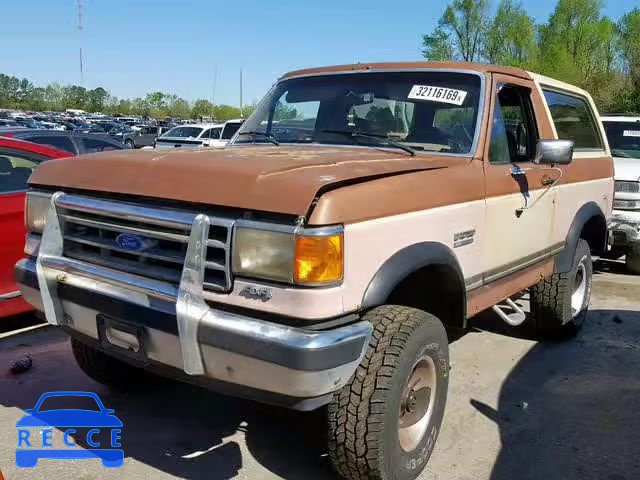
(15, 170)
(574, 120)
(59, 142)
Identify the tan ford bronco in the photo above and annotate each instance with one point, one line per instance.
(316, 261)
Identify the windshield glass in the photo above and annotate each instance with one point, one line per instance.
(183, 132)
(430, 111)
(624, 138)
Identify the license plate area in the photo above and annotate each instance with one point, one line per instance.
(121, 337)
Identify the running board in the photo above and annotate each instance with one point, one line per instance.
(514, 319)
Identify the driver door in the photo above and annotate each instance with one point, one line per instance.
(521, 198)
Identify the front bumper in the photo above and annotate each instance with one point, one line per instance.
(625, 225)
(240, 355)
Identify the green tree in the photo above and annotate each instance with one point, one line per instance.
(96, 99)
(465, 20)
(201, 108)
(437, 46)
(54, 96)
(511, 37)
(74, 96)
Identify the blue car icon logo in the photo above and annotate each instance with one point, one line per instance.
(40, 421)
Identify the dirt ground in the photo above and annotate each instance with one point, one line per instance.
(517, 409)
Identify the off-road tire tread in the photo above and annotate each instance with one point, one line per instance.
(355, 414)
(548, 299)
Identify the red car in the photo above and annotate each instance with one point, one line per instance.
(17, 160)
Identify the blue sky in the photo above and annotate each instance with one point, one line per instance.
(132, 47)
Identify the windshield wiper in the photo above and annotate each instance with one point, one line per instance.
(267, 136)
(620, 153)
(378, 136)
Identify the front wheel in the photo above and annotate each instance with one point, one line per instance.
(384, 423)
(129, 144)
(559, 304)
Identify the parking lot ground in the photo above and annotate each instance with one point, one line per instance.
(517, 409)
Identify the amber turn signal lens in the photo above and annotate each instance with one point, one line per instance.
(318, 259)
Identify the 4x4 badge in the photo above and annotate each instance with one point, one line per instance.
(256, 293)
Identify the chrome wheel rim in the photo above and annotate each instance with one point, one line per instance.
(579, 288)
(417, 403)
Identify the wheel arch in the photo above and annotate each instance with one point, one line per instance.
(424, 275)
(589, 224)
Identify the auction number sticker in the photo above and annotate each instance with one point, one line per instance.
(631, 133)
(438, 94)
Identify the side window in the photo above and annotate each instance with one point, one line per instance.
(514, 133)
(15, 170)
(213, 133)
(573, 119)
(59, 142)
(92, 145)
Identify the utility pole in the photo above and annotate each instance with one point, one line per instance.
(80, 36)
(241, 115)
(213, 94)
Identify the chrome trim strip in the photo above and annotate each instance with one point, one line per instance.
(529, 260)
(10, 295)
(95, 242)
(127, 211)
(121, 228)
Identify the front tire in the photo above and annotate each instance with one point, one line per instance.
(632, 260)
(129, 144)
(559, 304)
(384, 423)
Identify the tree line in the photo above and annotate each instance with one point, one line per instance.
(577, 44)
(22, 94)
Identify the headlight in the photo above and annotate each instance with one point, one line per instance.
(309, 257)
(35, 211)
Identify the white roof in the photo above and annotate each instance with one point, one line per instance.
(201, 125)
(619, 118)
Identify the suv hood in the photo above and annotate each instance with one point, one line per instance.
(267, 178)
(626, 168)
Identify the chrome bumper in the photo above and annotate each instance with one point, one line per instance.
(208, 342)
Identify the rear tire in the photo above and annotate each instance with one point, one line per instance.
(108, 370)
(384, 423)
(632, 260)
(559, 304)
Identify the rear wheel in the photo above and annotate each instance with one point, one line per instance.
(384, 423)
(632, 260)
(108, 370)
(559, 304)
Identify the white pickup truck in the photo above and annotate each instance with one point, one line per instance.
(199, 135)
(623, 133)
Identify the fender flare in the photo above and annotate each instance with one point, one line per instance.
(564, 260)
(407, 261)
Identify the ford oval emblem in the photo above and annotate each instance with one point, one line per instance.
(128, 241)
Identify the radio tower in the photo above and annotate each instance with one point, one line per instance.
(80, 35)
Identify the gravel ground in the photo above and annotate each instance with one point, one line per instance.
(517, 409)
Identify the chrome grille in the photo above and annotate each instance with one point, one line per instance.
(93, 230)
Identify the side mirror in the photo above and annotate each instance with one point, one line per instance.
(554, 152)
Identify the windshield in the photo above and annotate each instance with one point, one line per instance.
(429, 111)
(183, 132)
(624, 138)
